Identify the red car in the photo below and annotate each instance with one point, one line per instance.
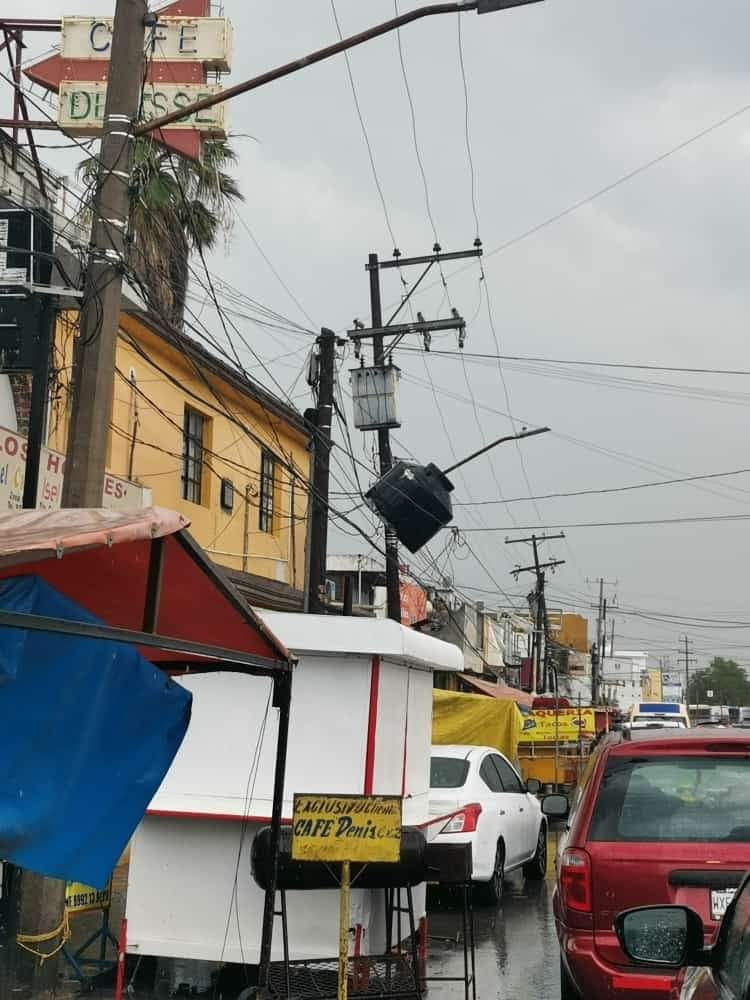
(659, 817)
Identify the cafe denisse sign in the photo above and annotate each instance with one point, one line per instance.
(82, 105)
(207, 40)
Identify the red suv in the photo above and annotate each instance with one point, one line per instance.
(659, 817)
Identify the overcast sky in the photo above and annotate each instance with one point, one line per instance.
(565, 98)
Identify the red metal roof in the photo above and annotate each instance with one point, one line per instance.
(100, 559)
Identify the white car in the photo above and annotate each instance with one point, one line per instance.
(486, 803)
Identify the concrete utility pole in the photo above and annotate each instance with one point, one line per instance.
(322, 416)
(35, 904)
(385, 458)
(92, 384)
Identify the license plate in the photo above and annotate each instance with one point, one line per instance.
(720, 900)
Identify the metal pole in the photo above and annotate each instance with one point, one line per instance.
(384, 447)
(343, 979)
(282, 698)
(308, 60)
(595, 668)
(94, 357)
(321, 472)
(38, 409)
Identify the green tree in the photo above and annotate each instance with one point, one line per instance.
(727, 680)
(176, 205)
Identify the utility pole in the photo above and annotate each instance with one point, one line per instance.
(322, 417)
(541, 624)
(385, 458)
(40, 901)
(92, 384)
(596, 668)
(689, 659)
(377, 333)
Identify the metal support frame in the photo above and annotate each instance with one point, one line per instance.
(13, 39)
(78, 958)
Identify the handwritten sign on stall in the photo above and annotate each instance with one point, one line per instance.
(346, 828)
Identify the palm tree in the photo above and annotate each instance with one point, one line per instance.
(176, 205)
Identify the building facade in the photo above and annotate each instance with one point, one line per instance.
(209, 442)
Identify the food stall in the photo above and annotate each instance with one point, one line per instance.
(361, 716)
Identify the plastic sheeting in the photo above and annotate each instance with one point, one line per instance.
(89, 729)
(475, 720)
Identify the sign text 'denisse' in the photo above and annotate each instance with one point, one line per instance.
(346, 828)
(82, 105)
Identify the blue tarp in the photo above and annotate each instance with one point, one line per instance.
(88, 729)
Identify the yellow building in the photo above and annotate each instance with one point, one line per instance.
(210, 443)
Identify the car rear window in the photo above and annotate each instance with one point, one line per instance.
(673, 799)
(448, 772)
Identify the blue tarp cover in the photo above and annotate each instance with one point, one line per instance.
(88, 729)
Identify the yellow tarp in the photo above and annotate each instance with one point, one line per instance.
(476, 720)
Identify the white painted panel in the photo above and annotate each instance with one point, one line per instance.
(328, 731)
(419, 734)
(180, 897)
(390, 729)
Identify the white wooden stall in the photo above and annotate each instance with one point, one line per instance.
(361, 723)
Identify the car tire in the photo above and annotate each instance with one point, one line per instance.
(491, 893)
(536, 869)
(568, 990)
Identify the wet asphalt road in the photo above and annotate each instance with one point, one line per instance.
(516, 944)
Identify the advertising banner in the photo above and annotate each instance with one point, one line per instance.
(540, 725)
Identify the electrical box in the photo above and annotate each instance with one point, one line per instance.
(414, 500)
(375, 397)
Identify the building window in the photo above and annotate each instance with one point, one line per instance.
(193, 445)
(267, 490)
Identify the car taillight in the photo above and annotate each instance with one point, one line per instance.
(575, 880)
(465, 821)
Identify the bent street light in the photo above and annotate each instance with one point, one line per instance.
(480, 6)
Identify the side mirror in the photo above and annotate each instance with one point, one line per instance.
(555, 806)
(533, 787)
(661, 935)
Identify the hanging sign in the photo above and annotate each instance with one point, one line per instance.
(181, 49)
(173, 39)
(81, 106)
(346, 828)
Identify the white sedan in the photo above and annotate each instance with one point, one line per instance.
(486, 803)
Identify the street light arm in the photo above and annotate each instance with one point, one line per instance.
(308, 60)
(494, 444)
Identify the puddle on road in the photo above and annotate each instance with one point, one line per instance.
(516, 944)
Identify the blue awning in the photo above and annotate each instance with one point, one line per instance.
(88, 729)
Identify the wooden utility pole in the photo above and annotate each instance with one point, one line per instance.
(92, 383)
(322, 416)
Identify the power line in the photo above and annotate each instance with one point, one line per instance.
(595, 364)
(596, 492)
(704, 518)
